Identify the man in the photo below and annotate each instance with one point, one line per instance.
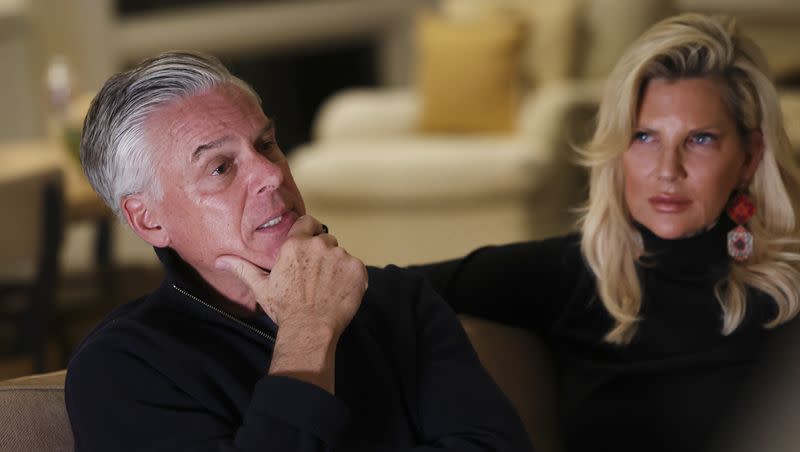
(263, 335)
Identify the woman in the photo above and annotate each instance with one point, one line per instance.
(657, 311)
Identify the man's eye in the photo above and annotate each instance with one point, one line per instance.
(220, 170)
(266, 147)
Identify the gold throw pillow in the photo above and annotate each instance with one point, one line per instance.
(468, 73)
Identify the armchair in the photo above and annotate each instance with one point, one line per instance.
(392, 193)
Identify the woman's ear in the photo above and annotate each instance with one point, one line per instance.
(753, 155)
(142, 217)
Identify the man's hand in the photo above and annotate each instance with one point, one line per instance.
(312, 293)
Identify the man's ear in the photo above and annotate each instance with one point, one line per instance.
(755, 152)
(143, 219)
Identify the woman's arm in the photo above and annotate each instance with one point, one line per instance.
(522, 284)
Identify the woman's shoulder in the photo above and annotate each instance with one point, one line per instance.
(561, 252)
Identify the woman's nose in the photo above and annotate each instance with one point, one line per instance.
(670, 164)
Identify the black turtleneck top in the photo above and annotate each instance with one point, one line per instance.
(172, 371)
(672, 387)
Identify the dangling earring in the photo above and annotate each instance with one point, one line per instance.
(740, 241)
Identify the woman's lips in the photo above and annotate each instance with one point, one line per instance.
(669, 204)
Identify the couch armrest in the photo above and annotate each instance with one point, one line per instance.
(367, 112)
(418, 170)
(33, 415)
(521, 365)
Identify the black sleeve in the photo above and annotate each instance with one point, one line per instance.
(135, 408)
(461, 407)
(522, 284)
(452, 401)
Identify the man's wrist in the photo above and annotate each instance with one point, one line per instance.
(305, 351)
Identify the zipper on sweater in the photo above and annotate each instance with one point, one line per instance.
(269, 337)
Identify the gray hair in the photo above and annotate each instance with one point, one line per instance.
(114, 152)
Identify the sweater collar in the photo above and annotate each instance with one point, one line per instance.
(183, 275)
(699, 255)
(185, 278)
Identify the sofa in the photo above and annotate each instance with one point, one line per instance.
(33, 416)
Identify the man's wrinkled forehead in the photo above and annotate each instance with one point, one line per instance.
(200, 121)
(225, 139)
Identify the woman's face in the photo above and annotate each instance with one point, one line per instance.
(685, 157)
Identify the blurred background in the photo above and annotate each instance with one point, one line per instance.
(416, 129)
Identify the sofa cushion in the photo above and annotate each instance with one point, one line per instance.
(33, 415)
(468, 73)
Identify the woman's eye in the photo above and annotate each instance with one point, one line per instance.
(703, 139)
(642, 137)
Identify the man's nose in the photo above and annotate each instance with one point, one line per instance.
(670, 163)
(264, 175)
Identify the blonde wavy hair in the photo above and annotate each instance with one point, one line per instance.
(689, 46)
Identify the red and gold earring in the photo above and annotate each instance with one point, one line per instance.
(740, 241)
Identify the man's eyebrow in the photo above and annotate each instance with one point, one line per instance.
(207, 146)
(269, 127)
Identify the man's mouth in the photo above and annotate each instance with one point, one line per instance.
(272, 222)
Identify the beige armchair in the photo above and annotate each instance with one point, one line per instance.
(393, 194)
(405, 198)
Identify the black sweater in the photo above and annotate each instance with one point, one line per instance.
(166, 372)
(672, 387)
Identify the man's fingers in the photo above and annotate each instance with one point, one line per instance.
(306, 226)
(329, 240)
(250, 274)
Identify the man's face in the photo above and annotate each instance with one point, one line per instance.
(227, 188)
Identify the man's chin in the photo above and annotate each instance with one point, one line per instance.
(263, 262)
